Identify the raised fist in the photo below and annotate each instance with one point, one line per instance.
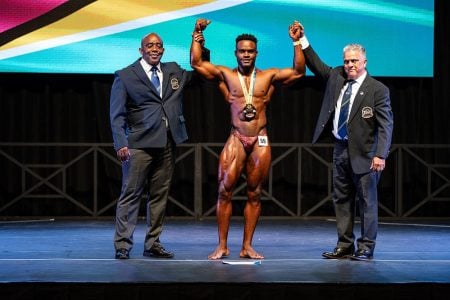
(296, 30)
(201, 24)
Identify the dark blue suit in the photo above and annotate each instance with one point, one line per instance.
(137, 110)
(138, 121)
(370, 127)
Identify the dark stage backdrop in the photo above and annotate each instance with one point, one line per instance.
(45, 108)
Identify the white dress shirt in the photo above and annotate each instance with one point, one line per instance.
(355, 88)
(147, 68)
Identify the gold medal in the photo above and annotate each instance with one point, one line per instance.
(249, 110)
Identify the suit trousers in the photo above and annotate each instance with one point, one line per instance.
(350, 188)
(152, 168)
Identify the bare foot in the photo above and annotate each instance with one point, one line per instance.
(219, 253)
(250, 253)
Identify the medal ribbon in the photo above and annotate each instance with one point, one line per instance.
(248, 93)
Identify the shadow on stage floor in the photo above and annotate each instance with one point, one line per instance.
(61, 259)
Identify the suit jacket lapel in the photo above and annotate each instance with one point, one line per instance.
(140, 73)
(165, 70)
(362, 91)
(339, 84)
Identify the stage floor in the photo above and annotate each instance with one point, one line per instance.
(77, 253)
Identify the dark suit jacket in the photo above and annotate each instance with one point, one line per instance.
(137, 110)
(370, 121)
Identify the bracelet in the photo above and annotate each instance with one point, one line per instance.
(297, 43)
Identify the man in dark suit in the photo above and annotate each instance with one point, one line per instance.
(362, 130)
(147, 122)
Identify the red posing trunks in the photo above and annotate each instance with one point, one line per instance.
(248, 141)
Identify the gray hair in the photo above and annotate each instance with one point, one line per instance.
(355, 47)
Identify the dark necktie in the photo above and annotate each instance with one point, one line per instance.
(155, 79)
(343, 115)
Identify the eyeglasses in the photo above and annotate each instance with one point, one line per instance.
(150, 45)
(353, 61)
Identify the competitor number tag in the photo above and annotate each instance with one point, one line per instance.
(263, 141)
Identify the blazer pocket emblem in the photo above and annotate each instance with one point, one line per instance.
(367, 112)
(174, 83)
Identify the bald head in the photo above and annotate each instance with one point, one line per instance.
(152, 48)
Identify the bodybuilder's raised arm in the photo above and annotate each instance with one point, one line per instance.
(205, 68)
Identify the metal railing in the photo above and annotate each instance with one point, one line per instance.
(416, 182)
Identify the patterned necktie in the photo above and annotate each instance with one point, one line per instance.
(155, 79)
(343, 115)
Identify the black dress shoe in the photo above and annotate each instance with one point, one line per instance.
(122, 254)
(362, 255)
(339, 253)
(158, 251)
